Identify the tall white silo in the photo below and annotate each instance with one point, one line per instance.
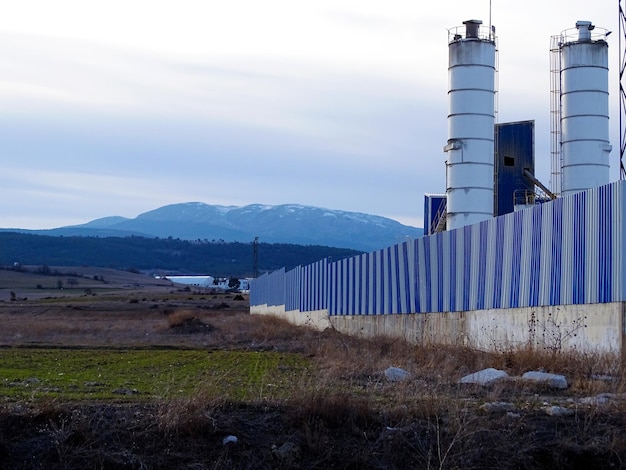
(585, 143)
(470, 147)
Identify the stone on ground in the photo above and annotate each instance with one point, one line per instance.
(497, 407)
(484, 377)
(396, 374)
(558, 411)
(551, 380)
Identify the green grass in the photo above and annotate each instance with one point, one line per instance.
(105, 374)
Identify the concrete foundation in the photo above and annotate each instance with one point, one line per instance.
(318, 319)
(588, 328)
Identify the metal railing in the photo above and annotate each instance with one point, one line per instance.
(573, 35)
(485, 33)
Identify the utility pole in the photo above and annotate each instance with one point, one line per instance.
(255, 258)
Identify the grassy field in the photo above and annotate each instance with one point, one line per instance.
(146, 374)
(165, 377)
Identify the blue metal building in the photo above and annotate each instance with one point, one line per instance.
(515, 154)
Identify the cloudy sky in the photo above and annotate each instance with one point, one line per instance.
(119, 107)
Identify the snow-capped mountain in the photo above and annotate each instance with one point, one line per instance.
(287, 223)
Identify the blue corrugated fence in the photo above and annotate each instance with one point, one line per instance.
(566, 251)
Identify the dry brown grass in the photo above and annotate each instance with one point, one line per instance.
(179, 317)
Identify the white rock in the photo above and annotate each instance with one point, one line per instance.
(558, 411)
(287, 454)
(497, 407)
(230, 440)
(604, 378)
(396, 374)
(551, 380)
(601, 399)
(484, 377)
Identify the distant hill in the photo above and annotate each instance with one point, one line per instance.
(287, 223)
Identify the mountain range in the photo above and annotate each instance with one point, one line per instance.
(286, 223)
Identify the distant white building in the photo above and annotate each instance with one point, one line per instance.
(198, 281)
(209, 281)
(244, 284)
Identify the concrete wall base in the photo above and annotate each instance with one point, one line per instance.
(589, 328)
(318, 319)
(593, 327)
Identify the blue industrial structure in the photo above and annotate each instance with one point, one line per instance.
(563, 252)
(514, 155)
(514, 169)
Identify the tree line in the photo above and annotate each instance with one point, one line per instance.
(174, 255)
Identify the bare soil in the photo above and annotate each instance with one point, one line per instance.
(346, 415)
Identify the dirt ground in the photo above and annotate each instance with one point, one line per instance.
(352, 419)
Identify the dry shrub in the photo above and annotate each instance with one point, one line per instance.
(582, 369)
(521, 360)
(449, 360)
(343, 353)
(350, 357)
(179, 317)
(334, 409)
(351, 362)
(272, 328)
(187, 415)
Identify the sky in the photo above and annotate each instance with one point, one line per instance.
(120, 107)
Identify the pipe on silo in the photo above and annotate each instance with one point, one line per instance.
(470, 146)
(584, 110)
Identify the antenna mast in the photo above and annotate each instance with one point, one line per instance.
(622, 93)
(490, 28)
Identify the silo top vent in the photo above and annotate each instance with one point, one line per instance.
(471, 28)
(584, 30)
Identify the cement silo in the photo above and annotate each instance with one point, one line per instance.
(584, 108)
(470, 147)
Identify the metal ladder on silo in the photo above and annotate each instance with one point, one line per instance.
(439, 221)
(556, 155)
